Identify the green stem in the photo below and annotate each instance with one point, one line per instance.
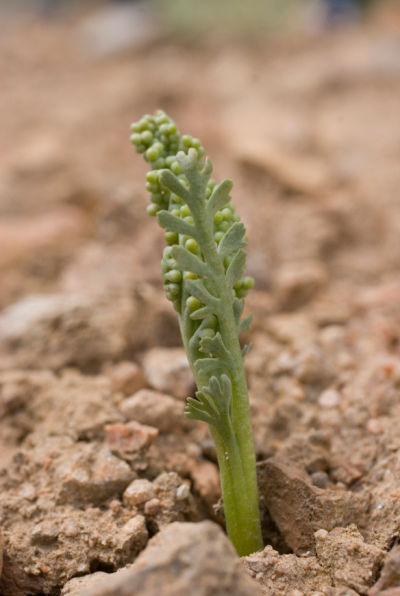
(235, 450)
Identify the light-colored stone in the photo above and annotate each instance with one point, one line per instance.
(184, 558)
(153, 408)
(55, 330)
(297, 283)
(129, 437)
(127, 377)
(138, 492)
(330, 398)
(298, 508)
(167, 370)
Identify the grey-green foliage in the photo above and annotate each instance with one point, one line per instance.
(203, 261)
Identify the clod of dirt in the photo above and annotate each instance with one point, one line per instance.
(73, 404)
(127, 377)
(153, 408)
(183, 558)
(165, 500)
(347, 558)
(167, 370)
(61, 514)
(90, 473)
(130, 437)
(382, 481)
(298, 507)
(283, 574)
(57, 330)
(297, 283)
(390, 575)
(43, 554)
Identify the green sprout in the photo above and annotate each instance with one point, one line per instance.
(203, 266)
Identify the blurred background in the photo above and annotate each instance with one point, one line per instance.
(298, 101)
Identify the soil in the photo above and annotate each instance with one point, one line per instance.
(95, 455)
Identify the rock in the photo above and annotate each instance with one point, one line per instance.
(57, 330)
(129, 437)
(167, 370)
(347, 558)
(61, 515)
(116, 28)
(298, 508)
(250, 141)
(175, 500)
(75, 404)
(127, 377)
(39, 562)
(330, 398)
(184, 558)
(206, 481)
(297, 283)
(91, 474)
(284, 574)
(153, 408)
(20, 236)
(1, 552)
(138, 492)
(389, 580)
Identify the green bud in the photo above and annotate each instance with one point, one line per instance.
(224, 226)
(152, 210)
(248, 282)
(141, 148)
(218, 236)
(146, 137)
(136, 138)
(174, 276)
(135, 127)
(186, 141)
(175, 167)
(171, 237)
(210, 322)
(167, 252)
(152, 177)
(173, 290)
(206, 333)
(226, 213)
(193, 303)
(191, 245)
(185, 211)
(154, 151)
(218, 218)
(159, 164)
(189, 275)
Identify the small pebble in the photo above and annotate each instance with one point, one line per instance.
(138, 492)
(321, 534)
(182, 492)
(152, 507)
(320, 479)
(329, 398)
(374, 426)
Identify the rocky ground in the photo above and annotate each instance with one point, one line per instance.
(105, 489)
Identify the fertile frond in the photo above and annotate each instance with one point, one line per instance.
(203, 266)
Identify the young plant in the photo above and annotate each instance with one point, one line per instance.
(203, 266)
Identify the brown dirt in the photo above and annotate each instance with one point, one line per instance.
(95, 454)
